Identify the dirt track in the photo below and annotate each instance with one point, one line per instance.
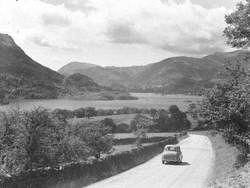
(193, 173)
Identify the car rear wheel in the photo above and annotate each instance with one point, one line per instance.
(179, 161)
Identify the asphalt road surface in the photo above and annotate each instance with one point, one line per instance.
(194, 172)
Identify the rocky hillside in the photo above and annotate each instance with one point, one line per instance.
(172, 75)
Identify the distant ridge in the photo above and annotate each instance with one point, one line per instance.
(187, 75)
(73, 66)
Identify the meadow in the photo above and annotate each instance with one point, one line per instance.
(123, 118)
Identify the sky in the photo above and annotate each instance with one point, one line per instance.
(115, 32)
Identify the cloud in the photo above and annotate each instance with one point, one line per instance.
(176, 27)
(56, 20)
(124, 33)
(182, 27)
(81, 5)
(41, 41)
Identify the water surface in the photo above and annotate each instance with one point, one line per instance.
(146, 100)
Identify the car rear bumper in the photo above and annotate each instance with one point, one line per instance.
(171, 159)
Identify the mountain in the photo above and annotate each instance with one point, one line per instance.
(80, 86)
(74, 67)
(21, 76)
(114, 77)
(173, 75)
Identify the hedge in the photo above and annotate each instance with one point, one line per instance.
(125, 141)
(76, 175)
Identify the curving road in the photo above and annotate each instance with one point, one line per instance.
(193, 173)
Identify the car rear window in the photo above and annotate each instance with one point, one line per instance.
(171, 148)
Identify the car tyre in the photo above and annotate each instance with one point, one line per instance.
(179, 161)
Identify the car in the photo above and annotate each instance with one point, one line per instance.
(172, 153)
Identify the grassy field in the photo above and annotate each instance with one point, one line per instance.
(128, 147)
(131, 135)
(124, 118)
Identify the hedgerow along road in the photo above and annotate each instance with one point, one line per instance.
(194, 172)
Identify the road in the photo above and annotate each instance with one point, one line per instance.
(197, 165)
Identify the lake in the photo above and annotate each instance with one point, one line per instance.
(146, 100)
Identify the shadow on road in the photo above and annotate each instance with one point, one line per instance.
(179, 164)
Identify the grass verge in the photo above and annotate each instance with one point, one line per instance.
(230, 168)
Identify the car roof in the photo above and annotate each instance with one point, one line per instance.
(172, 146)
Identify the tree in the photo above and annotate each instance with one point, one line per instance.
(33, 139)
(172, 120)
(97, 138)
(90, 112)
(140, 125)
(227, 105)
(109, 123)
(238, 29)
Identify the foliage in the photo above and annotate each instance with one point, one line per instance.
(123, 128)
(172, 120)
(227, 105)
(98, 139)
(140, 125)
(37, 138)
(79, 113)
(109, 123)
(62, 114)
(237, 31)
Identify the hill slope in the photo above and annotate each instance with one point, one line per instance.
(172, 75)
(21, 76)
(82, 87)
